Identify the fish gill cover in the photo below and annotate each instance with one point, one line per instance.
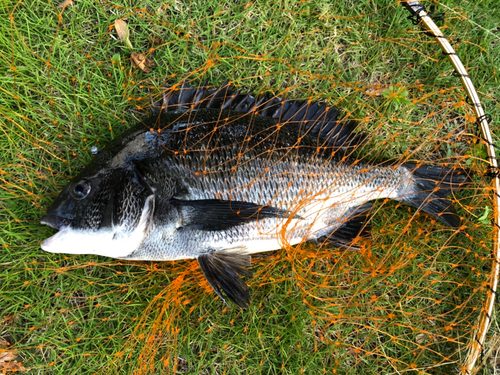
(77, 74)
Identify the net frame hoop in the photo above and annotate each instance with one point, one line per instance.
(476, 345)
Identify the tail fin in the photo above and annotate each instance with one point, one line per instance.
(432, 186)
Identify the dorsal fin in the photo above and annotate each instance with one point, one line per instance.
(312, 118)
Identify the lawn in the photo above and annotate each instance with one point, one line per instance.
(408, 302)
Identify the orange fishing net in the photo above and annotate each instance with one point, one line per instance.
(414, 299)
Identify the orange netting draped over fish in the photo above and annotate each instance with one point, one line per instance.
(409, 299)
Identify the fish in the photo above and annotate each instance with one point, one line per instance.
(219, 176)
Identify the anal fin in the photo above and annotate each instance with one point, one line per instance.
(354, 228)
(222, 270)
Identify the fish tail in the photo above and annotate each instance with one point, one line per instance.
(430, 190)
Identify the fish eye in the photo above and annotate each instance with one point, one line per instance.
(81, 189)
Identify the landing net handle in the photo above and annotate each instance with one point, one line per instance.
(420, 16)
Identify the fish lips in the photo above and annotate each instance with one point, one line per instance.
(48, 244)
(54, 221)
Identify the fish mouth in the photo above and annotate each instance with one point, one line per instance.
(48, 244)
(55, 222)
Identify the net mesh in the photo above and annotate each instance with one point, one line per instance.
(407, 302)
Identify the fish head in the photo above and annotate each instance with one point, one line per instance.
(104, 211)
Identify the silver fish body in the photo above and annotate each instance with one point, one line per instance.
(311, 190)
(221, 184)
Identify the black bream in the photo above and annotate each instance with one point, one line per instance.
(219, 176)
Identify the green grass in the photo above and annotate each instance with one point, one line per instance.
(68, 84)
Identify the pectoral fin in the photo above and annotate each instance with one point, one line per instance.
(221, 270)
(214, 215)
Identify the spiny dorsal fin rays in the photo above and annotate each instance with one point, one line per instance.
(314, 119)
(229, 102)
(186, 95)
(218, 96)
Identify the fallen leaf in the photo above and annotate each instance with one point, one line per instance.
(421, 338)
(139, 60)
(8, 319)
(7, 363)
(65, 3)
(155, 40)
(122, 31)
(7, 357)
(11, 367)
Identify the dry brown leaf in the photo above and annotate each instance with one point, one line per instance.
(141, 61)
(155, 40)
(11, 367)
(421, 338)
(65, 3)
(7, 363)
(7, 356)
(8, 319)
(122, 31)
